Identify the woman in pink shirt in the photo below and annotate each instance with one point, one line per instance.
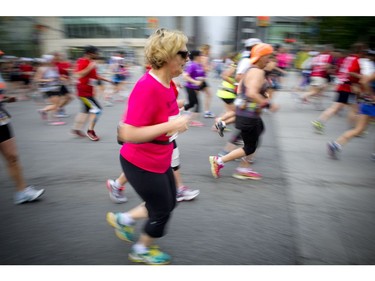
(150, 124)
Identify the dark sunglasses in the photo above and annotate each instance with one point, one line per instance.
(183, 54)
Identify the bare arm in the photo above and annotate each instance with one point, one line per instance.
(38, 77)
(85, 71)
(228, 73)
(368, 79)
(104, 79)
(254, 81)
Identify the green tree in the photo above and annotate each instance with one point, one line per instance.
(342, 32)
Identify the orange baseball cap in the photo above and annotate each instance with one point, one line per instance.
(259, 51)
(1, 53)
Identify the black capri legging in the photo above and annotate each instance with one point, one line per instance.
(251, 129)
(158, 191)
(193, 99)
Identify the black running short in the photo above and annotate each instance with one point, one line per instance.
(346, 98)
(6, 133)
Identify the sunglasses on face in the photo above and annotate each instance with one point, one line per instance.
(183, 54)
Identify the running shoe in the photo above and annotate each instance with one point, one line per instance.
(220, 126)
(196, 124)
(333, 149)
(92, 136)
(78, 133)
(123, 232)
(153, 257)
(186, 194)
(215, 167)
(209, 114)
(247, 174)
(116, 194)
(27, 195)
(61, 114)
(56, 123)
(318, 126)
(43, 114)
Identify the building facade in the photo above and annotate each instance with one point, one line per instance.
(35, 36)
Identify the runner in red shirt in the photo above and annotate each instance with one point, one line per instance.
(320, 74)
(347, 82)
(91, 109)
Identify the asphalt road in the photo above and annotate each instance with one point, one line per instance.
(307, 210)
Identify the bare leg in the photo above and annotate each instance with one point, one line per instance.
(352, 114)
(122, 179)
(80, 120)
(178, 178)
(9, 149)
(208, 98)
(313, 91)
(139, 212)
(92, 121)
(234, 154)
(52, 108)
(361, 125)
(67, 98)
(330, 111)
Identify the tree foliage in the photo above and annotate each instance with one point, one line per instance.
(342, 32)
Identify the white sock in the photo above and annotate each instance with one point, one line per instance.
(140, 248)
(126, 219)
(219, 161)
(338, 145)
(243, 170)
(117, 184)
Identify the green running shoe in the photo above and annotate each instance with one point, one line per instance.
(318, 126)
(123, 232)
(153, 257)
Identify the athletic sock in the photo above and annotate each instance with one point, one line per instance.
(220, 161)
(140, 248)
(117, 184)
(126, 219)
(243, 170)
(339, 147)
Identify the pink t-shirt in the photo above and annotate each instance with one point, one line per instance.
(150, 103)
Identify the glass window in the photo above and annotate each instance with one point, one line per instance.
(105, 27)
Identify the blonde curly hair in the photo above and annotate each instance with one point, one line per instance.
(162, 46)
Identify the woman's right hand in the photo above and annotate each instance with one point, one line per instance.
(180, 124)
